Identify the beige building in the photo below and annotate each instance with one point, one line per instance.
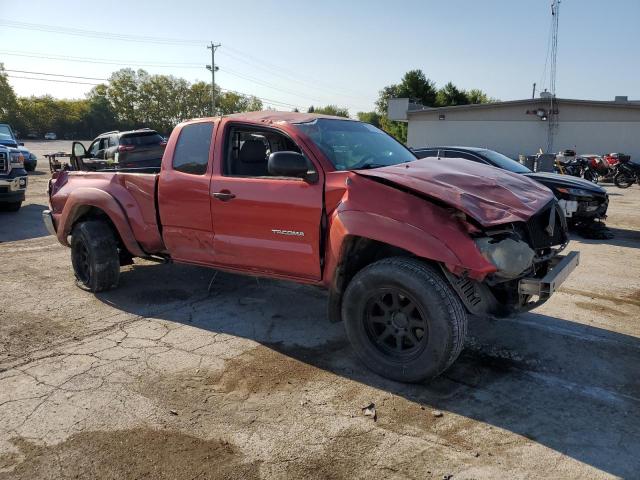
(523, 126)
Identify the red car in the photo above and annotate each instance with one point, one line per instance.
(405, 247)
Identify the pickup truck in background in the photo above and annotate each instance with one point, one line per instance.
(13, 179)
(405, 247)
(8, 139)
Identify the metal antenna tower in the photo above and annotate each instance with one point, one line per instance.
(553, 104)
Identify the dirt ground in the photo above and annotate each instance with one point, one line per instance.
(178, 374)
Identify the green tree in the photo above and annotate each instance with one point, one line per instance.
(450, 95)
(232, 102)
(373, 118)
(8, 99)
(414, 85)
(331, 110)
(476, 95)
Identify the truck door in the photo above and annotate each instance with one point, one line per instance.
(183, 194)
(264, 223)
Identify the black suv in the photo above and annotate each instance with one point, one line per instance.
(133, 149)
(583, 202)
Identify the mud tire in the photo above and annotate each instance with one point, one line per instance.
(417, 282)
(94, 256)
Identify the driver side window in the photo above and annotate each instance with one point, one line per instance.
(248, 151)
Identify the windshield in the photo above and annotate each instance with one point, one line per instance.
(351, 145)
(5, 132)
(502, 161)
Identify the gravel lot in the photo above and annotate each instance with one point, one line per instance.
(180, 375)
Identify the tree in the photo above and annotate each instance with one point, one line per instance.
(370, 117)
(311, 109)
(414, 85)
(476, 95)
(232, 102)
(450, 95)
(331, 110)
(8, 99)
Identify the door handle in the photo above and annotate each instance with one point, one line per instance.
(224, 195)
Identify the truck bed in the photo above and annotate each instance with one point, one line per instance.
(134, 193)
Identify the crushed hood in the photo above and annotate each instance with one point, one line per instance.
(489, 195)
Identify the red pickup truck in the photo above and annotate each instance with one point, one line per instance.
(405, 247)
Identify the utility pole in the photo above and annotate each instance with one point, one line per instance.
(533, 95)
(214, 68)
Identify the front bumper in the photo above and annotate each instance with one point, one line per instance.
(585, 208)
(13, 189)
(47, 218)
(560, 268)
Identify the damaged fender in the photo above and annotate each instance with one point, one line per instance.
(380, 212)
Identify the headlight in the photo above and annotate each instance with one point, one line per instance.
(577, 192)
(510, 256)
(17, 160)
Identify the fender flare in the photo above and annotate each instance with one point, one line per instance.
(394, 232)
(80, 200)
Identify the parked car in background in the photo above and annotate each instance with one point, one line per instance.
(132, 149)
(8, 139)
(582, 201)
(13, 179)
(402, 245)
(50, 136)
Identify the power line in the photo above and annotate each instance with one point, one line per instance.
(267, 84)
(282, 69)
(106, 61)
(56, 75)
(172, 65)
(267, 100)
(96, 34)
(51, 80)
(277, 73)
(161, 41)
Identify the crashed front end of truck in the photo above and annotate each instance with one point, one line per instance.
(499, 237)
(528, 261)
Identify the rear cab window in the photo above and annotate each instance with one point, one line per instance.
(191, 154)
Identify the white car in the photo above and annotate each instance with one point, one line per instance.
(50, 136)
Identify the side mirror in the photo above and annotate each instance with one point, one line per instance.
(288, 164)
(21, 144)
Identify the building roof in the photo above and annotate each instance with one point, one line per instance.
(530, 101)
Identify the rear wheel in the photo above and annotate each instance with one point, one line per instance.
(623, 180)
(94, 256)
(403, 319)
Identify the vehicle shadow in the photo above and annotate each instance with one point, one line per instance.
(24, 224)
(570, 387)
(622, 237)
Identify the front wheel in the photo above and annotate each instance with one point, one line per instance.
(623, 180)
(94, 256)
(403, 319)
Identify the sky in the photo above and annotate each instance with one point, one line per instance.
(301, 53)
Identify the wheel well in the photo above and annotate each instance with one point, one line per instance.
(357, 253)
(89, 212)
